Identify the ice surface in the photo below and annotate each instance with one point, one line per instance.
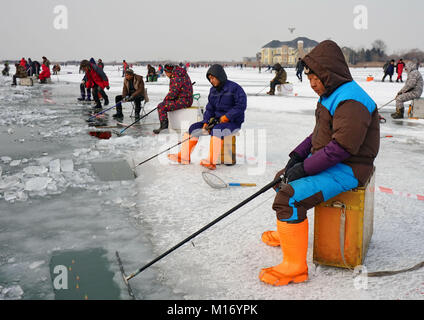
(172, 201)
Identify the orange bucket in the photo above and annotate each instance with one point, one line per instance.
(370, 78)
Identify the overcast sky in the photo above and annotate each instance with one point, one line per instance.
(198, 29)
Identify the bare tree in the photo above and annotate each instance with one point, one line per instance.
(379, 46)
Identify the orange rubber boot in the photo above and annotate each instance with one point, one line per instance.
(294, 245)
(214, 153)
(271, 238)
(187, 147)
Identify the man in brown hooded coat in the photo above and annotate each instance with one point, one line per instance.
(336, 157)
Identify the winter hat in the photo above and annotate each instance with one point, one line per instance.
(130, 72)
(169, 68)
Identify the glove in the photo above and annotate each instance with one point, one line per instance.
(280, 174)
(295, 158)
(108, 87)
(211, 123)
(131, 98)
(224, 119)
(294, 173)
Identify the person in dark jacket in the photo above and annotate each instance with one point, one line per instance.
(100, 63)
(97, 80)
(133, 90)
(151, 73)
(6, 69)
(299, 69)
(85, 92)
(336, 157)
(180, 94)
(389, 69)
(223, 116)
(280, 78)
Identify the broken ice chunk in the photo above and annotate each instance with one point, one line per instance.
(6, 159)
(36, 170)
(67, 165)
(15, 163)
(9, 196)
(55, 166)
(37, 184)
(11, 293)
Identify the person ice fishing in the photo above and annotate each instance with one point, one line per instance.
(6, 69)
(97, 80)
(85, 92)
(20, 73)
(336, 157)
(151, 72)
(44, 74)
(280, 78)
(133, 90)
(180, 94)
(223, 116)
(412, 89)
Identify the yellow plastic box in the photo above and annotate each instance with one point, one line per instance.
(335, 236)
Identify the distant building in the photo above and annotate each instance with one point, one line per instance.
(286, 52)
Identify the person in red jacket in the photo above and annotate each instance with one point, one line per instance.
(23, 63)
(399, 69)
(97, 80)
(124, 67)
(45, 73)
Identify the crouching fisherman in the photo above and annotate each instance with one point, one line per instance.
(223, 116)
(133, 90)
(44, 74)
(338, 156)
(97, 80)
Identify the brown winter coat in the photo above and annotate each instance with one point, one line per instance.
(352, 126)
(138, 86)
(20, 71)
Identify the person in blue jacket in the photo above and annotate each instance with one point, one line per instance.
(223, 116)
(389, 69)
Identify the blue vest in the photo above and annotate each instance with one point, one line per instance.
(347, 91)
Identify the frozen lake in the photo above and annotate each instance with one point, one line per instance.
(52, 201)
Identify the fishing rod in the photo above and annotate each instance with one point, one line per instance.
(158, 154)
(387, 103)
(255, 195)
(103, 111)
(120, 132)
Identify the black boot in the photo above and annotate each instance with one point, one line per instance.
(81, 98)
(398, 114)
(163, 126)
(118, 115)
